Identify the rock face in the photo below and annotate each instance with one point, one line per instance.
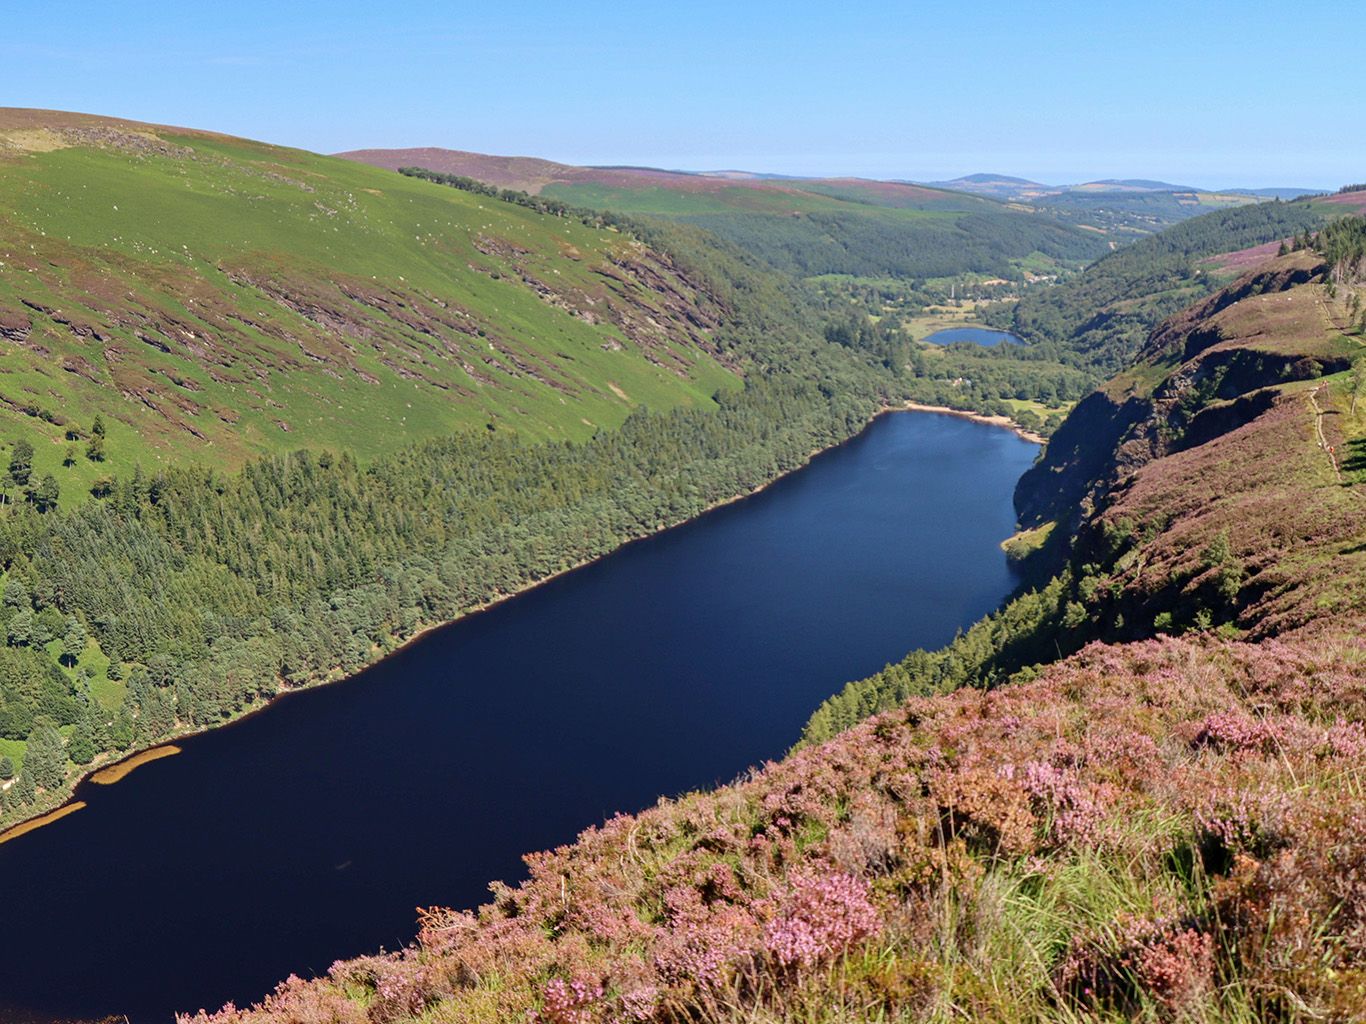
(1205, 372)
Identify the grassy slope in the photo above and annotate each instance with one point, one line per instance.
(217, 299)
(670, 198)
(830, 226)
(1129, 215)
(1164, 828)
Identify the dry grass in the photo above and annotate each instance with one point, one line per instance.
(116, 772)
(46, 819)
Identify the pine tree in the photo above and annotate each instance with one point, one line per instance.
(45, 497)
(81, 748)
(21, 629)
(122, 732)
(45, 757)
(73, 639)
(21, 462)
(16, 594)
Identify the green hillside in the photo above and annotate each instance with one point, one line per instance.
(1100, 318)
(865, 229)
(1131, 214)
(216, 298)
(806, 227)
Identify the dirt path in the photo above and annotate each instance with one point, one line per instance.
(1318, 431)
(1328, 308)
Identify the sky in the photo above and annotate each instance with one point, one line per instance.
(1212, 95)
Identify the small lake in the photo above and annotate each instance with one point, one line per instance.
(311, 831)
(976, 335)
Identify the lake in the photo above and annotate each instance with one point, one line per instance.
(311, 831)
(976, 335)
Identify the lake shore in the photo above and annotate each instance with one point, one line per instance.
(108, 771)
(978, 417)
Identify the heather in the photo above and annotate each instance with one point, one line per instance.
(1170, 829)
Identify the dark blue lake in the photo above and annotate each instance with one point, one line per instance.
(976, 335)
(311, 831)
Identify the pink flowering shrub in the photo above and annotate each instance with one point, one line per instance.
(1238, 731)
(1170, 964)
(1072, 807)
(567, 1003)
(296, 1001)
(708, 949)
(821, 919)
(1242, 762)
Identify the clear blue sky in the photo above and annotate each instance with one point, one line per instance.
(1213, 94)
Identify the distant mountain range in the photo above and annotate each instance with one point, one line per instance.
(789, 221)
(1005, 186)
(808, 227)
(725, 188)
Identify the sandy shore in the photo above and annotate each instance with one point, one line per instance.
(115, 772)
(977, 417)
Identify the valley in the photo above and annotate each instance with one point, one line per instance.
(676, 662)
(1132, 793)
(269, 416)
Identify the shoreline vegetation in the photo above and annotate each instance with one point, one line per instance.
(24, 827)
(115, 770)
(120, 770)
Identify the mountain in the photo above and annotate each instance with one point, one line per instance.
(1131, 185)
(806, 227)
(219, 299)
(1002, 186)
(982, 179)
(1161, 824)
(740, 189)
